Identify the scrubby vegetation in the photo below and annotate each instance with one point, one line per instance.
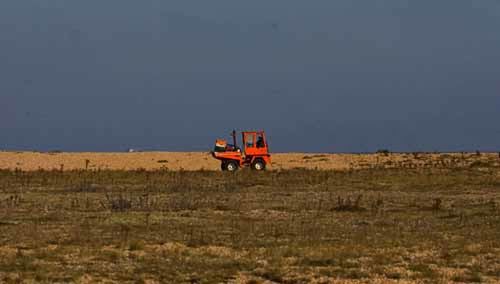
(294, 226)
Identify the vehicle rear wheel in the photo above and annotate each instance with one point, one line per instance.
(231, 166)
(259, 165)
(223, 166)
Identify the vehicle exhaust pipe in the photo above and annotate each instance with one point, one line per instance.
(234, 138)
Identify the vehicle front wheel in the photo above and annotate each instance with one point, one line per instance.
(259, 165)
(231, 166)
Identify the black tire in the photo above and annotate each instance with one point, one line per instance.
(223, 166)
(231, 166)
(258, 165)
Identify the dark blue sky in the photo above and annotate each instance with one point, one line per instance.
(325, 76)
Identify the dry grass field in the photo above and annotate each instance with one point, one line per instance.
(397, 218)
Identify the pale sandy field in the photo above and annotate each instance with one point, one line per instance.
(30, 161)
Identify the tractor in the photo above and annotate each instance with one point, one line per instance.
(255, 152)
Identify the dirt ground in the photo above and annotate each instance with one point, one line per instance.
(31, 161)
(376, 218)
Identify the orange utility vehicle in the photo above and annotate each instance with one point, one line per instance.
(255, 152)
